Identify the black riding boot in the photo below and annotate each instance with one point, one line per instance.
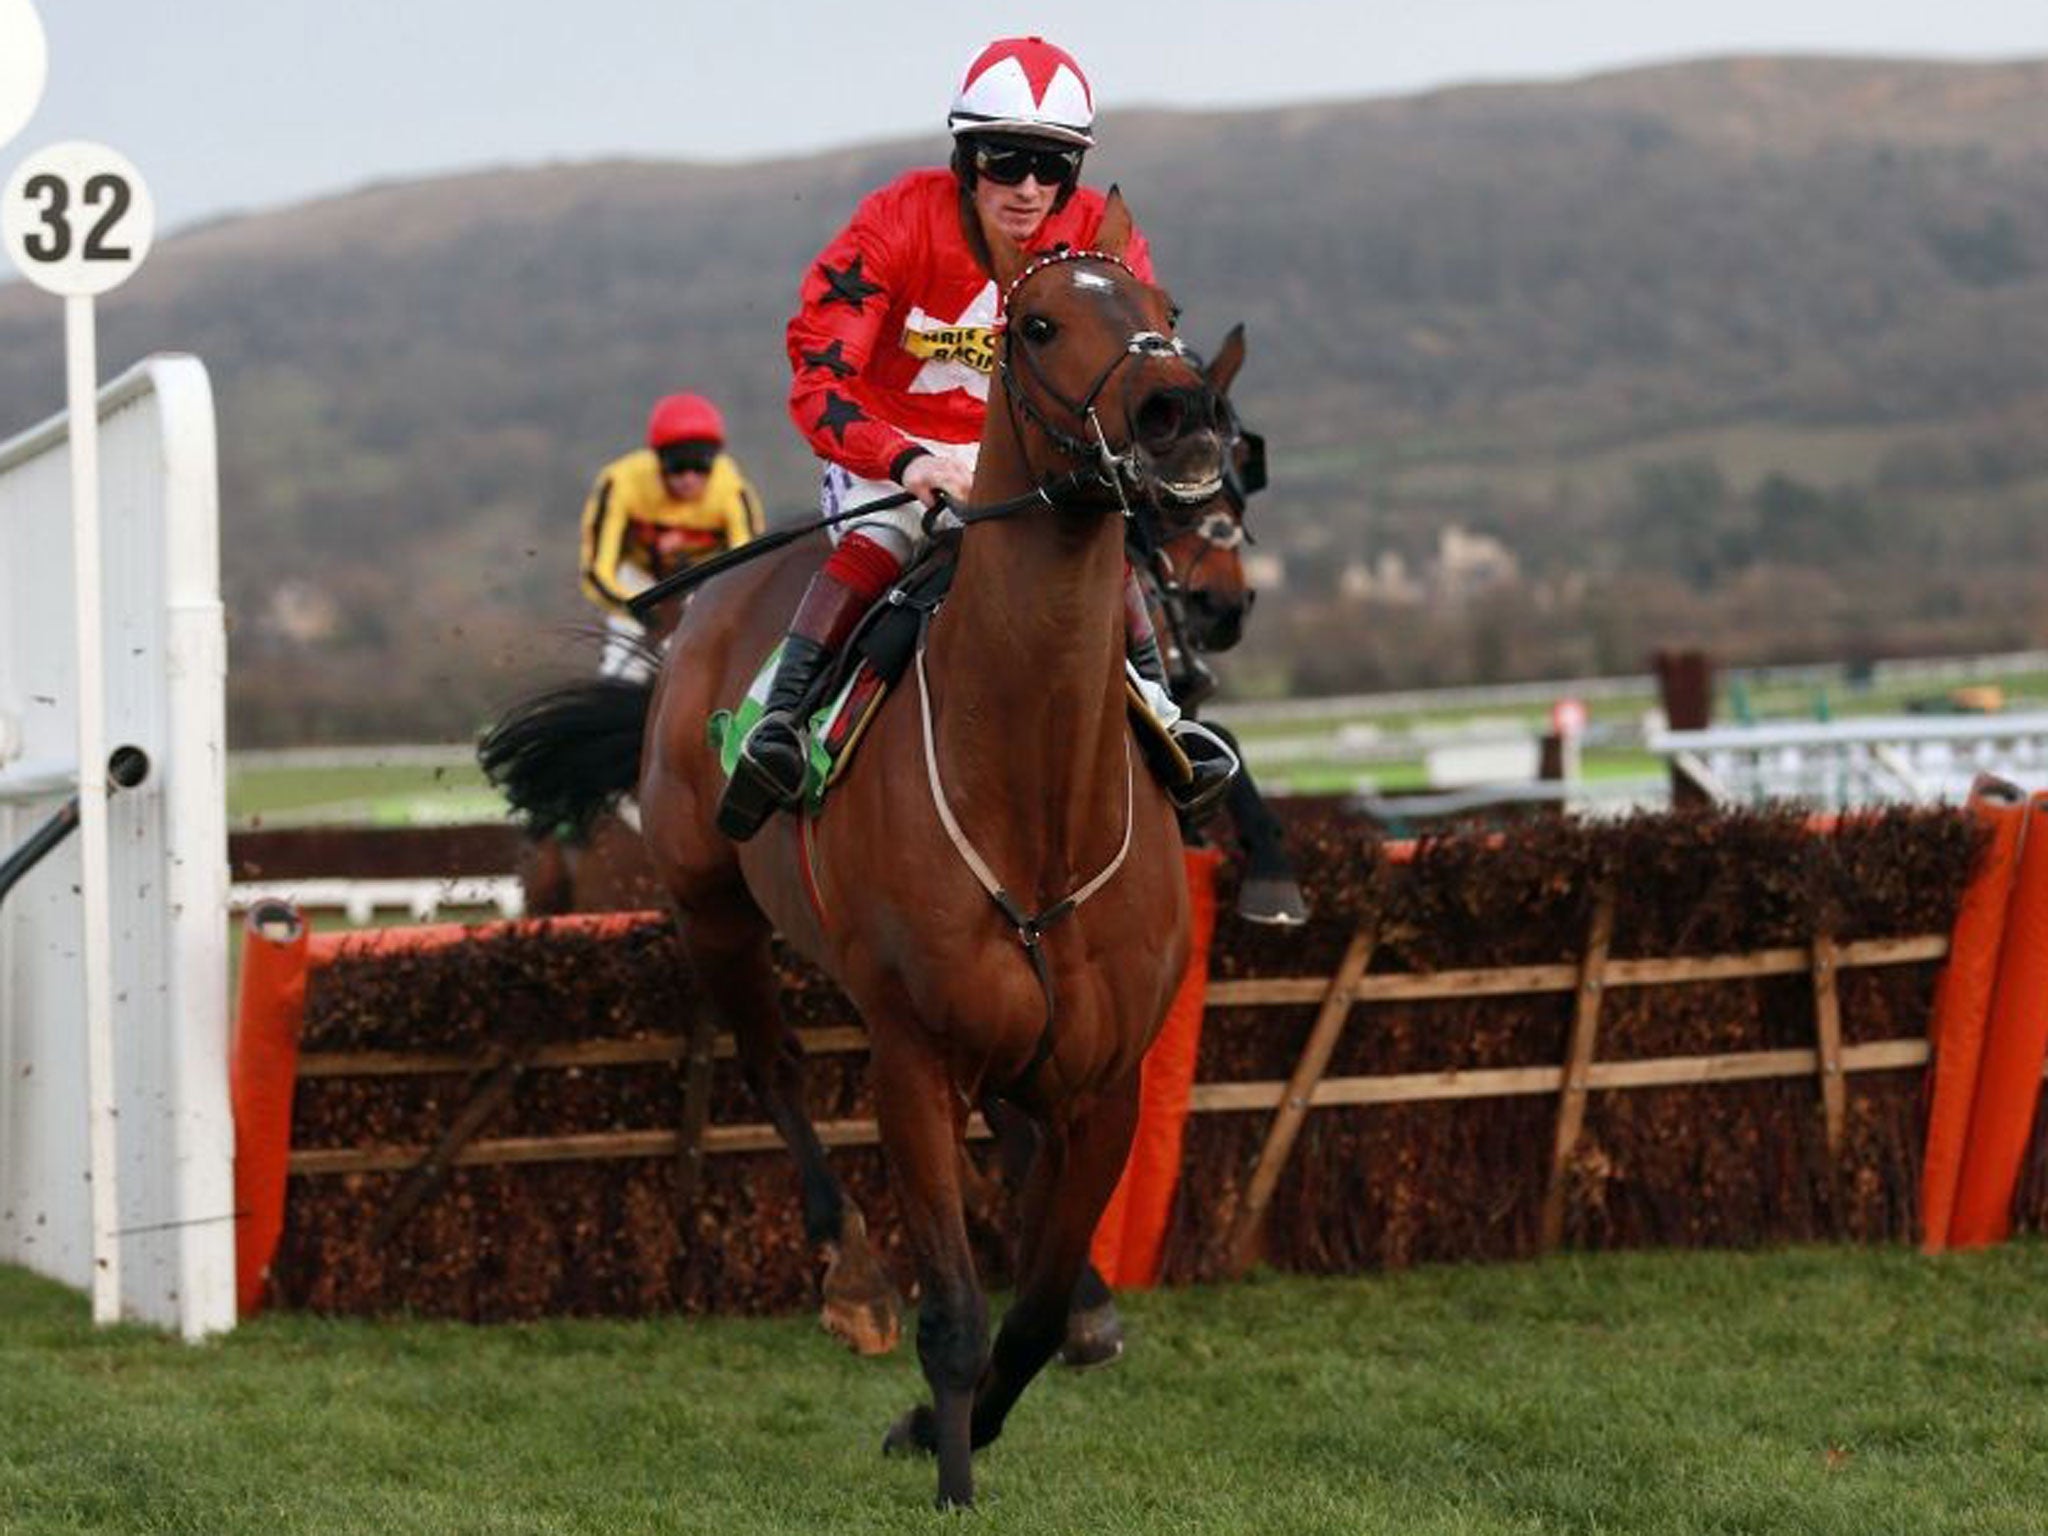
(769, 774)
(1211, 764)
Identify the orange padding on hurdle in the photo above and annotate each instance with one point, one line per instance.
(1962, 1004)
(1131, 1237)
(269, 1014)
(2015, 1044)
(263, 1065)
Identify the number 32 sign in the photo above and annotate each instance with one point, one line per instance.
(77, 219)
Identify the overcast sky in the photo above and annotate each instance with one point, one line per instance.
(237, 105)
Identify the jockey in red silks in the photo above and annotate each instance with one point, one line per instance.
(892, 349)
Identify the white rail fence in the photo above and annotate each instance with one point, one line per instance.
(1838, 765)
(360, 901)
(165, 652)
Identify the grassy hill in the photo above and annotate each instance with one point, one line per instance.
(1745, 352)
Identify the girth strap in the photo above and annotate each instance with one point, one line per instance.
(1031, 927)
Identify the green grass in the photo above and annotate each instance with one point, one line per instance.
(2023, 691)
(1334, 776)
(382, 791)
(1812, 1392)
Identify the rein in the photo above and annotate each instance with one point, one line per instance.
(644, 602)
(1048, 494)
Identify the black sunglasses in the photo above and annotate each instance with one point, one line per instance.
(1008, 164)
(687, 458)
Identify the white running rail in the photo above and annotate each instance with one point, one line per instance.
(1849, 763)
(361, 900)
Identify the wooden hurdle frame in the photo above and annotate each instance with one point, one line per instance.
(1595, 974)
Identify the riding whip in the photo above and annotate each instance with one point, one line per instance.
(644, 603)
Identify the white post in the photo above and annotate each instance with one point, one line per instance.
(78, 220)
(81, 399)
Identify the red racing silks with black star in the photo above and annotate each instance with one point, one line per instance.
(894, 339)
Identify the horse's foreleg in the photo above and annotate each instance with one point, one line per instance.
(915, 1104)
(1270, 891)
(732, 963)
(1076, 1173)
(1095, 1334)
(1095, 1330)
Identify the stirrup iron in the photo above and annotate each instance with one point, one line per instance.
(756, 790)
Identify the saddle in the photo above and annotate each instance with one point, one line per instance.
(849, 691)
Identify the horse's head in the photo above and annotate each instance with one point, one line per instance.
(1095, 378)
(1196, 553)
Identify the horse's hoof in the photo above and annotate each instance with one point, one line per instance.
(915, 1434)
(1274, 900)
(1094, 1337)
(866, 1325)
(860, 1306)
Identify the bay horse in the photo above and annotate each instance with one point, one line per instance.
(1192, 565)
(1191, 556)
(997, 882)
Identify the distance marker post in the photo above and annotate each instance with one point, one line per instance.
(78, 221)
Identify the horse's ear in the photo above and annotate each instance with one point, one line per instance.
(1228, 359)
(1114, 232)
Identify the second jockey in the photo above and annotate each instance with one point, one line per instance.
(651, 512)
(892, 348)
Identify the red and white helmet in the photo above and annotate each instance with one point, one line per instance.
(1025, 85)
(684, 419)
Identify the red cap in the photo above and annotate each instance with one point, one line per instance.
(1025, 85)
(684, 419)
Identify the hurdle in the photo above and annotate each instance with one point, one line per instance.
(172, 1239)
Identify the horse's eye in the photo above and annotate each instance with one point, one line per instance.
(1037, 329)
(1173, 318)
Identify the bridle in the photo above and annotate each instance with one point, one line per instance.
(1220, 532)
(1115, 470)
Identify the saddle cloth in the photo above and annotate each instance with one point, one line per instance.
(835, 727)
(853, 688)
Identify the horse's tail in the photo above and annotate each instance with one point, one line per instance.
(563, 756)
